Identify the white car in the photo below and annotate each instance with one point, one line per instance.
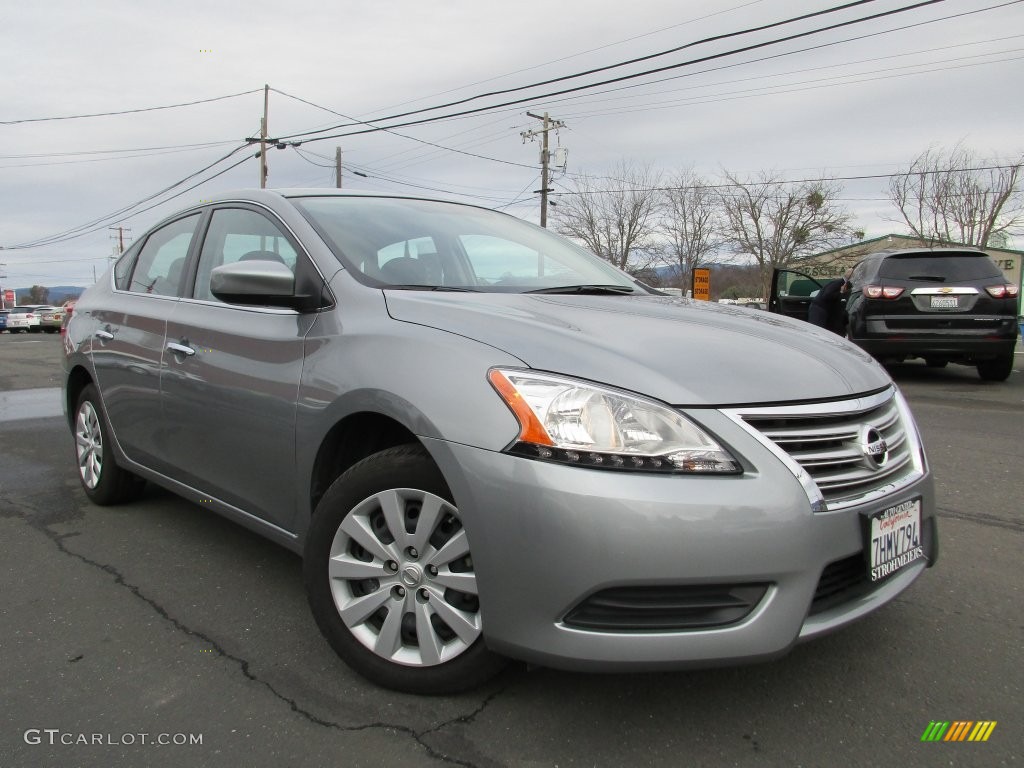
(23, 319)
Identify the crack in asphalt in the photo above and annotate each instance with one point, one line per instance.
(981, 518)
(243, 664)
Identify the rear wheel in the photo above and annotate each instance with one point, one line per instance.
(102, 479)
(390, 577)
(998, 369)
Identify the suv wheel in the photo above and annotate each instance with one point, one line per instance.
(390, 578)
(102, 479)
(998, 369)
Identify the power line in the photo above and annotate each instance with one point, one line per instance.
(636, 75)
(356, 121)
(578, 54)
(116, 151)
(798, 71)
(102, 221)
(781, 182)
(128, 111)
(648, 57)
(798, 87)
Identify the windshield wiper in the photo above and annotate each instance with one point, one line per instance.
(416, 287)
(931, 278)
(587, 289)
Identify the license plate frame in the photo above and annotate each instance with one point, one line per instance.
(893, 539)
(945, 302)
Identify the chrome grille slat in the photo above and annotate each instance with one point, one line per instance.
(825, 441)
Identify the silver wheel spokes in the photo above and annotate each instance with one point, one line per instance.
(403, 580)
(89, 444)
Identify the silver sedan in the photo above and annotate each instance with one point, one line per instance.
(488, 443)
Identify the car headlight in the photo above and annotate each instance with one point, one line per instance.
(575, 422)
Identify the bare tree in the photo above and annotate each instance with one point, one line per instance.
(691, 221)
(781, 224)
(38, 294)
(953, 198)
(614, 216)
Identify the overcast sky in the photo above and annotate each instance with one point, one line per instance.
(823, 105)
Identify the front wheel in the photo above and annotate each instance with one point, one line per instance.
(102, 479)
(997, 369)
(390, 577)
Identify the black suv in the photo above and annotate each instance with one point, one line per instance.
(945, 305)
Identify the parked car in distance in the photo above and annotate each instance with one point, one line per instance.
(488, 443)
(3, 319)
(946, 305)
(22, 319)
(67, 311)
(50, 318)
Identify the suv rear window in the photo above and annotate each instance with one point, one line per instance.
(963, 266)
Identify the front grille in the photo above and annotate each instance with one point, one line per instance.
(665, 608)
(840, 582)
(831, 443)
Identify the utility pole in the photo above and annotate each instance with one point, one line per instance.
(549, 125)
(120, 237)
(337, 167)
(263, 137)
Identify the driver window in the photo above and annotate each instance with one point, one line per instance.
(238, 234)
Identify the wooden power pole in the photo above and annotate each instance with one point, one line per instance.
(263, 137)
(545, 158)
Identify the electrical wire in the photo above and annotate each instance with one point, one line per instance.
(401, 135)
(576, 55)
(102, 221)
(129, 111)
(608, 67)
(690, 62)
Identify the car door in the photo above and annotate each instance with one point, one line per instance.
(128, 338)
(231, 376)
(792, 293)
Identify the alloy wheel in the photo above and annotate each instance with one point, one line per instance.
(89, 445)
(402, 578)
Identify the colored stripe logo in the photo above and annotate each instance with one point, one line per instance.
(958, 730)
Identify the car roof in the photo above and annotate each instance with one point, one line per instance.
(961, 251)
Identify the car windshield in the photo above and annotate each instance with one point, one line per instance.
(428, 245)
(939, 268)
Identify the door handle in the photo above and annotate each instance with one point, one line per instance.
(104, 335)
(181, 349)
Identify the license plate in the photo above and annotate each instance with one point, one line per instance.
(894, 540)
(944, 302)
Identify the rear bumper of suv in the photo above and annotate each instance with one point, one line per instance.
(970, 338)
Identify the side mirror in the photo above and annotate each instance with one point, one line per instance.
(261, 283)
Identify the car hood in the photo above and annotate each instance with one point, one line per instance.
(681, 351)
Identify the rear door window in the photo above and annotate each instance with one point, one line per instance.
(161, 263)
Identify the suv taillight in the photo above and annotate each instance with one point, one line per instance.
(1007, 291)
(881, 292)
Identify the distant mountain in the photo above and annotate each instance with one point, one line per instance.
(58, 293)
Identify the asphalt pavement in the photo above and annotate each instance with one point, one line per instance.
(123, 627)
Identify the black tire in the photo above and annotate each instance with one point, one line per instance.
(408, 477)
(997, 369)
(104, 482)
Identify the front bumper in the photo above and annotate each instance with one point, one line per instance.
(545, 537)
